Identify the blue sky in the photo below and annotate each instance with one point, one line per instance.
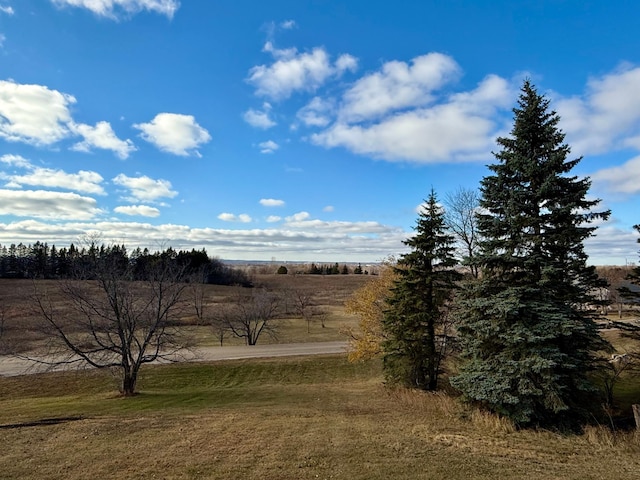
(297, 130)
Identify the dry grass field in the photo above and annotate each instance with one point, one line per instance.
(328, 292)
(285, 419)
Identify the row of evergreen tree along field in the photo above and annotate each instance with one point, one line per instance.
(47, 262)
(41, 261)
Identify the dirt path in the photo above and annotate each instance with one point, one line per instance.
(11, 366)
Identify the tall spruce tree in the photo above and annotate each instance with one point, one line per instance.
(528, 341)
(414, 324)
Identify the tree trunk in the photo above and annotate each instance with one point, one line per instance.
(636, 415)
(129, 384)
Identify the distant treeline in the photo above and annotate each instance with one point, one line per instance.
(334, 269)
(43, 261)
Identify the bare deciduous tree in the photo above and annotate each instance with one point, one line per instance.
(460, 217)
(113, 322)
(303, 303)
(251, 315)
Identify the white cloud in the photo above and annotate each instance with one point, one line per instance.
(239, 243)
(397, 86)
(607, 116)
(328, 208)
(102, 136)
(612, 246)
(346, 62)
(268, 147)
(230, 217)
(83, 181)
(174, 133)
(288, 24)
(144, 188)
(622, 179)
(37, 115)
(293, 71)
(113, 8)
(47, 205)
(259, 118)
(462, 128)
(8, 10)
(140, 210)
(15, 160)
(273, 218)
(33, 114)
(2, 39)
(271, 202)
(298, 217)
(316, 113)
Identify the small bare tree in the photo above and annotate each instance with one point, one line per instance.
(460, 217)
(114, 322)
(303, 305)
(251, 315)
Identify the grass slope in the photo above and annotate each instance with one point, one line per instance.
(278, 419)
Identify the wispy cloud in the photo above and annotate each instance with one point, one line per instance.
(116, 9)
(268, 147)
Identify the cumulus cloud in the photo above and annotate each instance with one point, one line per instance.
(174, 133)
(47, 205)
(83, 181)
(620, 179)
(298, 217)
(145, 189)
(230, 217)
(259, 118)
(114, 8)
(293, 71)
(33, 113)
(268, 147)
(273, 218)
(317, 113)
(139, 210)
(461, 128)
(606, 116)
(271, 202)
(37, 115)
(102, 136)
(397, 86)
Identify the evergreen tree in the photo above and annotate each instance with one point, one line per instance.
(527, 338)
(419, 302)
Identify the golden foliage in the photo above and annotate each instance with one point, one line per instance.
(369, 303)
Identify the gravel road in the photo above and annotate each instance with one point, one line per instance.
(11, 366)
